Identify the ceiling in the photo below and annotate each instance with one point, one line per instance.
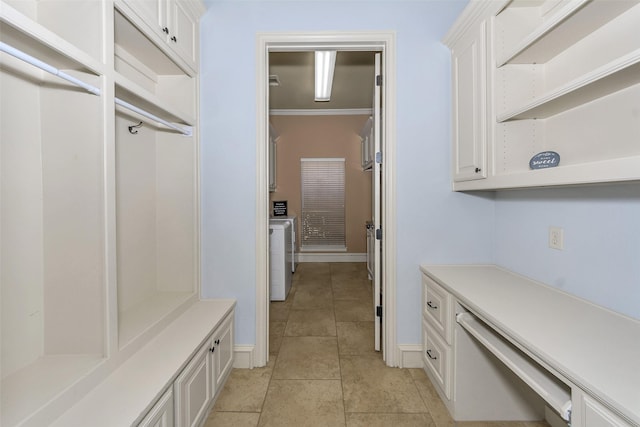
(353, 81)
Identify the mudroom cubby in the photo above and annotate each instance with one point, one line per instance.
(98, 204)
(52, 223)
(562, 77)
(156, 217)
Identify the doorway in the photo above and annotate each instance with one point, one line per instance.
(383, 42)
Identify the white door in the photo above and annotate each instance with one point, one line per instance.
(376, 202)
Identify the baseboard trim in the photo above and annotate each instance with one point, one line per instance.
(410, 356)
(244, 356)
(330, 257)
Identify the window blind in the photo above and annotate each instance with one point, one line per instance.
(323, 225)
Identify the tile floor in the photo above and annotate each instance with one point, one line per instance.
(323, 370)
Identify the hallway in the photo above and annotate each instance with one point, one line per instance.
(323, 370)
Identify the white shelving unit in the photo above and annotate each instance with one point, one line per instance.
(99, 225)
(563, 77)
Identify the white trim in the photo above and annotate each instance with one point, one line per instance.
(323, 112)
(384, 41)
(410, 356)
(243, 356)
(330, 257)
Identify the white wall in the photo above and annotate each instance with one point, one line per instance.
(601, 257)
(433, 224)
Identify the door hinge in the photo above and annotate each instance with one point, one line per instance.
(379, 157)
(379, 310)
(379, 234)
(378, 80)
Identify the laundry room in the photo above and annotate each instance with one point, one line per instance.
(323, 141)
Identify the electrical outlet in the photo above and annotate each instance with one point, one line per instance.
(556, 238)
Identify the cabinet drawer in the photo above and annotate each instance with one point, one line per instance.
(437, 308)
(437, 358)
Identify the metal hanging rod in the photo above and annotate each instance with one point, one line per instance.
(186, 131)
(91, 89)
(46, 67)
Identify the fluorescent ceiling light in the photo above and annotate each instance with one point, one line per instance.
(325, 65)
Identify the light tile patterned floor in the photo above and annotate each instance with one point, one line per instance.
(323, 370)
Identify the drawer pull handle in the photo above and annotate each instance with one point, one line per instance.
(478, 170)
(431, 305)
(432, 357)
(212, 349)
(217, 342)
(165, 30)
(174, 39)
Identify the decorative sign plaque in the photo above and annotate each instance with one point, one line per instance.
(546, 159)
(280, 208)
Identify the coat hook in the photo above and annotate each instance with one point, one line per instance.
(131, 131)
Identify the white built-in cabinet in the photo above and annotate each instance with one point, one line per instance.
(204, 376)
(531, 77)
(469, 105)
(99, 216)
(175, 22)
(161, 415)
(494, 352)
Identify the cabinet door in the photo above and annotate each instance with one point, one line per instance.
(161, 415)
(153, 13)
(222, 353)
(470, 106)
(183, 33)
(594, 414)
(193, 390)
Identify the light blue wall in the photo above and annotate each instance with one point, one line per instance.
(601, 257)
(433, 224)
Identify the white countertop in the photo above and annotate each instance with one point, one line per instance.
(126, 394)
(592, 347)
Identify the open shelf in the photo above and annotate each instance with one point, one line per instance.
(141, 317)
(613, 77)
(134, 94)
(550, 31)
(556, 393)
(57, 25)
(28, 390)
(152, 73)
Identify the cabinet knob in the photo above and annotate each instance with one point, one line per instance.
(174, 39)
(432, 357)
(478, 170)
(432, 305)
(165, 30)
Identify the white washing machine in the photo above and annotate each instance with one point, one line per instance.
(279, 260)
(293, 221)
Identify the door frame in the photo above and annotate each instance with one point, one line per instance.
(384, 41)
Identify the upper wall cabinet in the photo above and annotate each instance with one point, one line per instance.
(560, 76)
(469, 105)
(175, 23)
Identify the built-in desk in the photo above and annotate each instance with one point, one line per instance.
(486, 324)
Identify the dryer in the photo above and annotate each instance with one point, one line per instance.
(293, 222)
(279, 260)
